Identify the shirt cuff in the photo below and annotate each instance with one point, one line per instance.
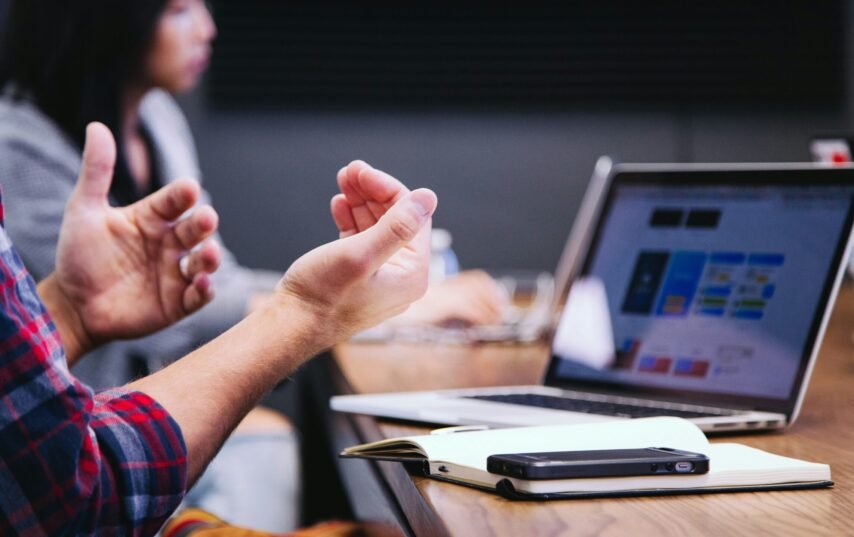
(147, 451)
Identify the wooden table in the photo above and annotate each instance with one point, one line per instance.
(409, 504)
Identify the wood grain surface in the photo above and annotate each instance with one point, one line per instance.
(822, 433)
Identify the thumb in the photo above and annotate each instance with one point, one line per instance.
(397, 227)
(99, 160)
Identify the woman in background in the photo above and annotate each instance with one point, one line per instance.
(67, 63)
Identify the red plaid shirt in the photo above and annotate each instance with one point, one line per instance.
(72, 462)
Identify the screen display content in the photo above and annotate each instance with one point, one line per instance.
(703, 288)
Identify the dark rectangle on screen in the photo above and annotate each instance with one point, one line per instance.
(666, 218)
(703, 218)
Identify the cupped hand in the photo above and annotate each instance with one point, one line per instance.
(127, 272)
(379, 264)
(472, 297)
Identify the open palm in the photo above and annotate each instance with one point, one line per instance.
(120, 268)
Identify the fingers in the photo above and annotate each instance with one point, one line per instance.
(472, 309)
(171, 201)
(483, 292)
(369, 192)
(470, 314)
(342, 215)
(348, 181)
(471, 298)
(380, 191)
(200, 225)
(349, 185)
(198, 293)
(376, 185)
(487, 309)
(99, 159)
(204, 259)
(157, 212)
(397, 228)
(198, 265)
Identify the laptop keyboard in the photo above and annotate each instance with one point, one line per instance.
(592, 407)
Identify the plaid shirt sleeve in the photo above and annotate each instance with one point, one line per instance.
(72, 462)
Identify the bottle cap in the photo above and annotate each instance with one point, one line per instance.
(440, 239)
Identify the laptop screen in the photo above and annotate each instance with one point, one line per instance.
(704, 287)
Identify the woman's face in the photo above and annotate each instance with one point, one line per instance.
(181, 47)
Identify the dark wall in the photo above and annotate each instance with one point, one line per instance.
(509, 183)
(443, 53)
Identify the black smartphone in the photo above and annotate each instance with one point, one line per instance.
(598, 463)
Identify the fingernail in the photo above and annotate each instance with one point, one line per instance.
(424, 201)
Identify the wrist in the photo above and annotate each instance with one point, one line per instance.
(69, 324)
(297, 324)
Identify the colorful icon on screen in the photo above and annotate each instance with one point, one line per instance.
(654, 364)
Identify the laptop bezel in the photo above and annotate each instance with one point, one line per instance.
(595, 210)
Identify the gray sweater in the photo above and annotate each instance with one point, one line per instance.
(38, 168)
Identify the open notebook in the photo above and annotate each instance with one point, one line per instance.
(461, 458)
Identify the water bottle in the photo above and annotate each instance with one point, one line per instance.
(443, 260)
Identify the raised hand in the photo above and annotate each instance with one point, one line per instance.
(375, 270)
(127, 272)
(366, 195)
(472, 297)
(377, 267)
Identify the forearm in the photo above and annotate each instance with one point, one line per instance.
(117, 461)
(69, 325)
(209, 391)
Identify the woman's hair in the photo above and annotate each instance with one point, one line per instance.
(75, 59)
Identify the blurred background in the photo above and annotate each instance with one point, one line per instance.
(501, 107)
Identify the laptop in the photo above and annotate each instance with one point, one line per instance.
(698, 291)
